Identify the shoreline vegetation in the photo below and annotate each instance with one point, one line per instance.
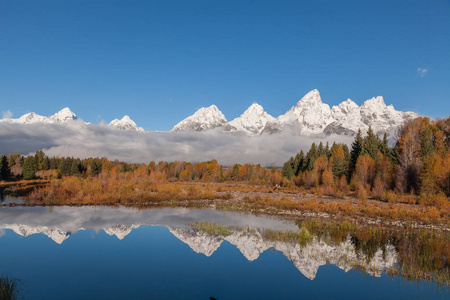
(422, 254)
(405, 185)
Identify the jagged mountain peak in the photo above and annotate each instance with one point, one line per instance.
(212, 110)
(63, 115)
(204, 118)
(125, 124)
(253, 121)
(344, 108)
(255, 108)
(312, 97)
(30, 118)
(309, 116)
(348, 103)
(373, 103)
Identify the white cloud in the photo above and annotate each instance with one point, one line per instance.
(82, 140)
(7, 114)
(422, 71)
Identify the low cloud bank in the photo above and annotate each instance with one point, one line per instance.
(82, 140)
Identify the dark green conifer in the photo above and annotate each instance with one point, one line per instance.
(311, 157)
(426, 142)
(5, 171)
(371, 144)
(29, 167)
(384, 146)
(287, 170)
(357, 149)
(75, 168)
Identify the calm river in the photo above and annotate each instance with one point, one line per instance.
(177, 253)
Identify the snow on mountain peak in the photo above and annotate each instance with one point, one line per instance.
(253, 121)
(311, 98)
(63, 115)
(344, 108)
(374, 103)
(30, 118)
(373, 113)
(204, 118)
(125, 124)
(255, 108)
(309, 116)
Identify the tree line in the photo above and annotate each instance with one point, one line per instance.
(39, 165)
(417, 163)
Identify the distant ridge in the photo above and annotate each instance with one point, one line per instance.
(308, 117)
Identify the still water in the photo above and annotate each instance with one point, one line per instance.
(177, 253)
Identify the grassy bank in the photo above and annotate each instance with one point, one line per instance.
(128, 189)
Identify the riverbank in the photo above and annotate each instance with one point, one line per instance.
(403, 211)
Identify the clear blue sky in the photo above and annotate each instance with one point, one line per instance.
(159, 61)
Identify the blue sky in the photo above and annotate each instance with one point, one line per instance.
(159, 61)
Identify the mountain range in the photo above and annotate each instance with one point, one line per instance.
(251, 243)
(309, 116)
(245, 232)
(66, 115)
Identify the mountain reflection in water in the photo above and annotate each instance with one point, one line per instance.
(63, 221)
(307, 244)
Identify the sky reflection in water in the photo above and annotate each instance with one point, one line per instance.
(124, 253)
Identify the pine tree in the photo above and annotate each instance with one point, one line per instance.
(96, 167)
(65, 166)
(53, 164)
(321, 150)
(39, 157)
(426, 142)
(357, 149)
(327, 150)
(287, 170)
(5, 171)
(338, 164)
(75, 168)
(299, 162)
(311, 157)
(29, 167)
(371, 144)
(384, 146)
(46, 164)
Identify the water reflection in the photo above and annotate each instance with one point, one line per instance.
(200, 230)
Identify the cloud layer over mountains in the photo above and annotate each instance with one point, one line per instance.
(78, 139)
(254, 137)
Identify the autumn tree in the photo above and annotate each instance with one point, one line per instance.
(408, 171)
(364, 170)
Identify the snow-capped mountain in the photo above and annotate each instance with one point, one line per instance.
(65, 115)
(254, 121)
(250, 240)
(62, 116)
(199, 241)
(203, 119)
(125, 124)
(56, 234)
(307, 259)
(30, 118)
(121, 231)
(309, 116)
(349, 117)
